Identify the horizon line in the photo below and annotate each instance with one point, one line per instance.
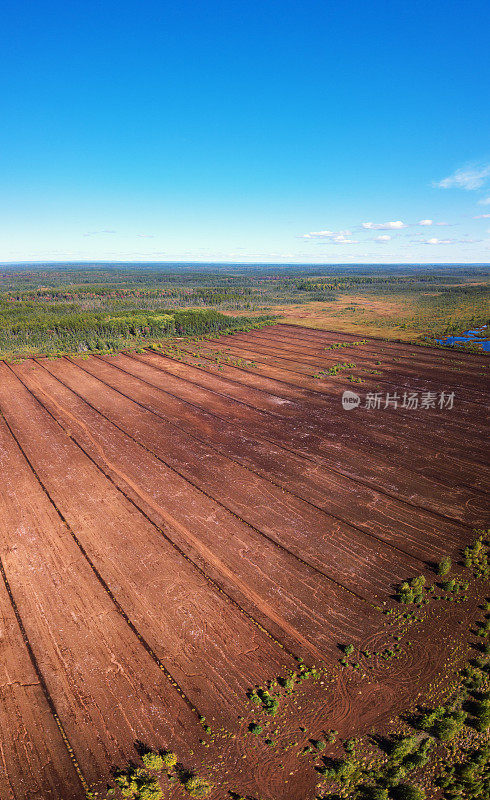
(89, 262)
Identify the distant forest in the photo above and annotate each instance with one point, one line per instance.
(74, 309)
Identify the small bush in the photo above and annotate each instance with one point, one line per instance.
(444, 566)
(447, 727)
(152, 791)
(198, 787)
(169, 760)
(405, 593)
(442, 722)
(270, 704)
(411, 592)
(152, 761)
(481, 712)
(403, 747)
(394, 774)
(475, 557)
(339, 769)
(136, 784)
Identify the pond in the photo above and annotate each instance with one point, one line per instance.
(478, 337)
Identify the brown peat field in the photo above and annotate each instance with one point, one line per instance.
(183, 525)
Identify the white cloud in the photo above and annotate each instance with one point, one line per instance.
(482, 216)
(434, 240)
(384, 238)
(468, 178)
(326, 234)
(341, 239)
(426, 222)
(318, 235)
(383, 226)
(484, 202)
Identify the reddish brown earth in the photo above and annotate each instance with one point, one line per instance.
(175, 530)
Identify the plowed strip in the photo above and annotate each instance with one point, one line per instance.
(427, 490)
(393, 368)
(193, 630)
(107, 690)
(325, 543)
(297, 365)
(343, 500)
(315, 605)
(313, 421)
(34, 760)
(203, 427)
(430, 356)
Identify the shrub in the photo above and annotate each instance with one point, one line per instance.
(403, 747)
(444, 566)
(481, 712)
(152, 761)
(417, 584)
(475, 557)
(198, 787)
(169, 760)
(135, 783)
(339, 770)
(405, 593)
(271, 704)
(447, 727)
(413, 591)
(152, 791)
(394, 774)
(442, 722)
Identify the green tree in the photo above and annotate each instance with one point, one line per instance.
(198, 787)
(152, 761)
(444, 566)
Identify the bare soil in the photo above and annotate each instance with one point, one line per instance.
(176, 530)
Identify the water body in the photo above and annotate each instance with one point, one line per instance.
(478, 337)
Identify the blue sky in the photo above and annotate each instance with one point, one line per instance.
(245, 131)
